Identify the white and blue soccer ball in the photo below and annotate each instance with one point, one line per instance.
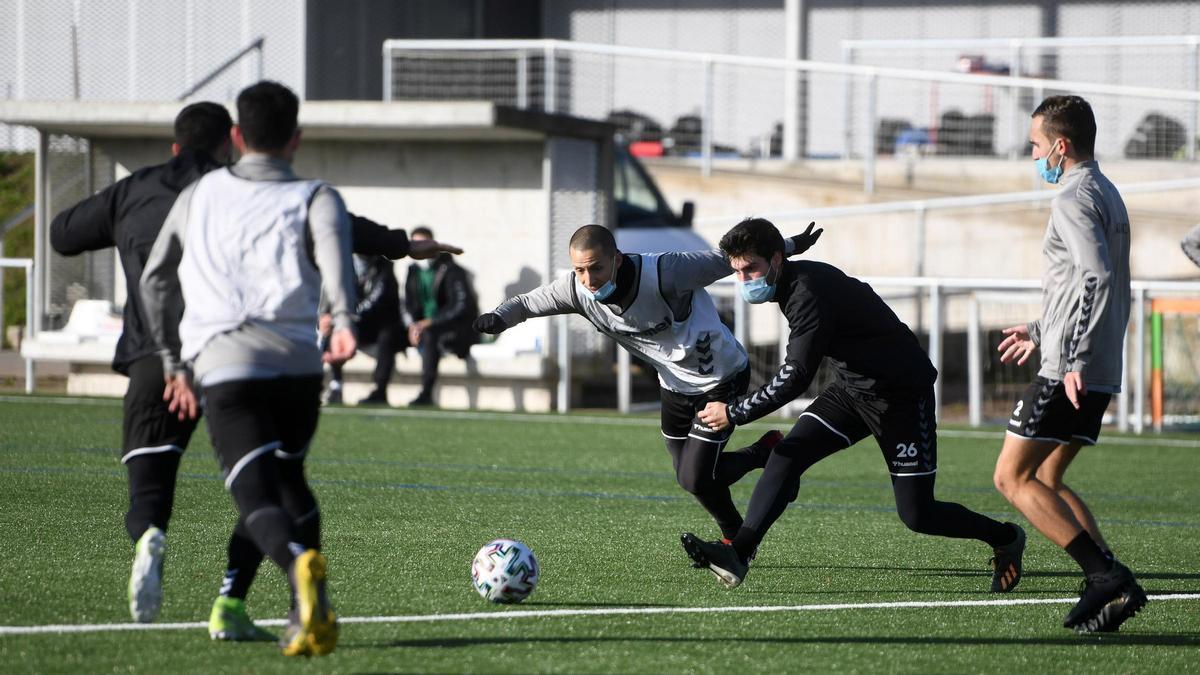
(504, 571)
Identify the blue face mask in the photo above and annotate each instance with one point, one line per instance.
(1049, 174)
(601, 294)
(757, 291)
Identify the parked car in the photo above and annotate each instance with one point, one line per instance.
(645, 222)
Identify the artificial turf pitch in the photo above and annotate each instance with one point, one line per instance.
(407, 499)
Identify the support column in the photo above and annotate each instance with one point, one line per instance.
(41, 195)
(795, 20)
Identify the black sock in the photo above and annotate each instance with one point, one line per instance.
(308, 529)
(271, 529)
(1003, 535)
(696, 462)
(1088, 555)
(244, 559)
(746, 542)
(921, 512)
(151, 491)
(1009, 539)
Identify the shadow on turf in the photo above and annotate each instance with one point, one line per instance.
(1113, 640)
(959, 572)
(542, 603)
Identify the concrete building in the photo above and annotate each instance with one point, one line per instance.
(510, 186)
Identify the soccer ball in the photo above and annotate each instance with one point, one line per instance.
(505, 571)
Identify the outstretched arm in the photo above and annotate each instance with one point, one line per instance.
(88, 225)
(371, 238)
(683, 272)
(557, 297)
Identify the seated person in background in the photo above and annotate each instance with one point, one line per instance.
(380, 327)
(441, 304)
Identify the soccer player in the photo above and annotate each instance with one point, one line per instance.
(655, 306)
(1085, 310)
(248, 248)
(884, 389)
(129, 215)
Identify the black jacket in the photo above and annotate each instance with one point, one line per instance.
(834, 315)
(378, 301)
(457, 305)
(129, 214)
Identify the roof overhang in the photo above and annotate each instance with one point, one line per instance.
(320, 120)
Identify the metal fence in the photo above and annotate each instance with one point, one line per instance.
(1164, 61)
(74, 170)
(968, 363)
(143, 50)
(711, 105)
(1160, 61)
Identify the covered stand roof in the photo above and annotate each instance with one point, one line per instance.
(320, 120)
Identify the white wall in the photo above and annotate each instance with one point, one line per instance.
(485, 197)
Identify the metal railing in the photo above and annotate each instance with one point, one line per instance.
(938, 290)
(1016, 48)
(27, 265)
(920, 207)
(255, 47)
(517, 83)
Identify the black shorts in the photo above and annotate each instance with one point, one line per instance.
(1044, 413)
(248, 418)
(904, 425)
(148, 427)
(679, 421)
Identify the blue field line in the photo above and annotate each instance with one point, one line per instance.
(996, 435)
(314, 459)
(318, 459)
(658, 475)
(537, 492)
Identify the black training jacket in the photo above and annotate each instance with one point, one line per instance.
(457, 305)
(834, 315)
(129, 214)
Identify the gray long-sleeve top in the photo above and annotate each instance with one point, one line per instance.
(260, 347)
(1191, 245)
(659, 311)
(1085, 285)
(679, 273)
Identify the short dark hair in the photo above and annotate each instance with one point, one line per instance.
(594, 238)
(1069, 117)
(752, 235)
(421, 229)
(202, 126)
(267, 113)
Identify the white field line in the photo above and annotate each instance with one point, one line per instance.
(996, 436)
(606, 611)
